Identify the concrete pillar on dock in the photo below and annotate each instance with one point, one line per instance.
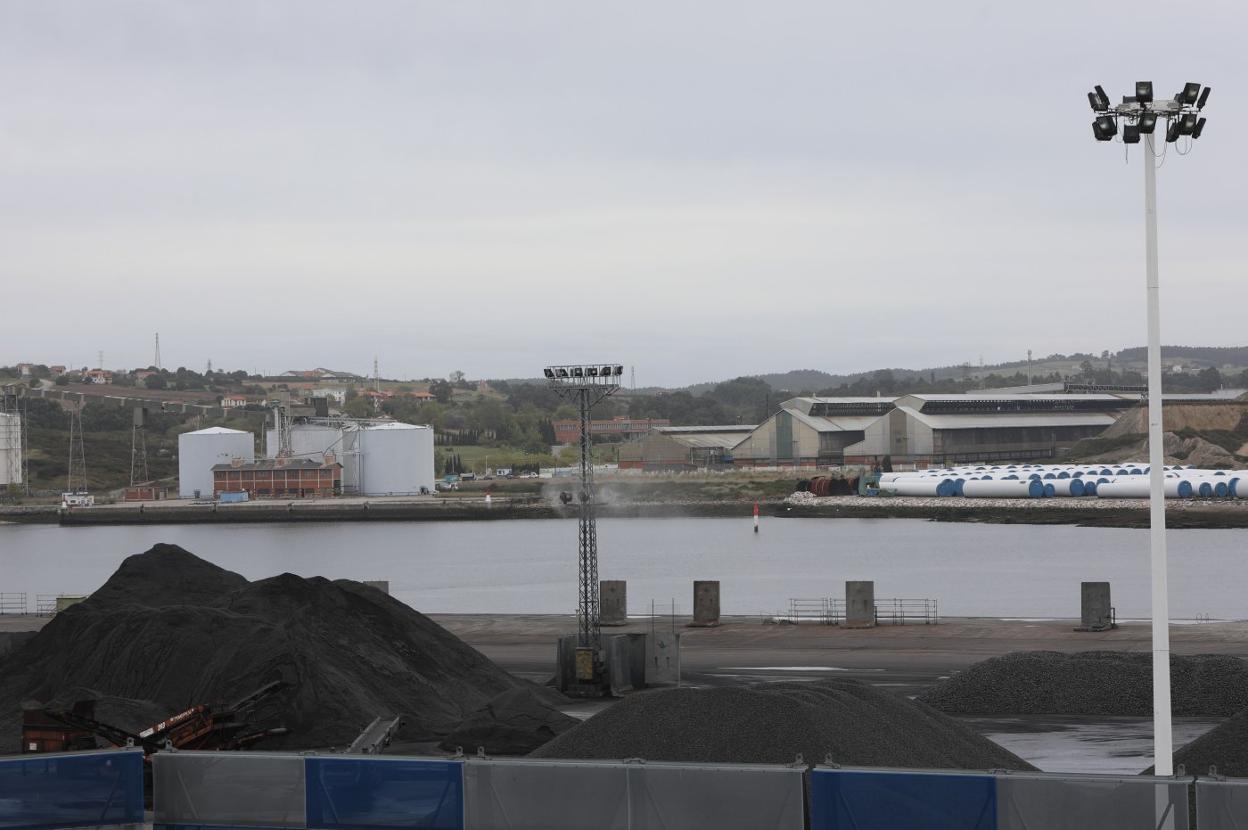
(705, 602)
(859, 604)
(382, 585)
(1096, 612)
(565, 663)
(613, 601)
(619, 664)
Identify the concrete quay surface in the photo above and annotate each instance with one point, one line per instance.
(906, 658)
(741, 650)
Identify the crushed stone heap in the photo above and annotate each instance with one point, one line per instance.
(771, 723)
(1113, 683)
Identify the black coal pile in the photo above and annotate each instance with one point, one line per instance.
(772, 723)
(174, 630)
(515, 723)
(1091, 683)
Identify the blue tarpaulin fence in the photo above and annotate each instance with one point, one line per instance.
(72, 789)
(288, 791)
(885, 799)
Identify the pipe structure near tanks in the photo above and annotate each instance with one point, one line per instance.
(996, 489)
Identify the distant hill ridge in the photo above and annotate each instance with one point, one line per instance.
(796, 380)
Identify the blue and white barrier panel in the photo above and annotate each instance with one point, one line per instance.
(1222, 803)
(101, 788)
(572, 795)
(867, 799)
(887, 799)
(358, 791)
(227, 790)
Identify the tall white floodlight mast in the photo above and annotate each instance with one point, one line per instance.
(1139, 115)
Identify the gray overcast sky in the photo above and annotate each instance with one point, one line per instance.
(701, 189)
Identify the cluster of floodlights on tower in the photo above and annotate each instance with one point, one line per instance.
(1139, 113)
(570, 373)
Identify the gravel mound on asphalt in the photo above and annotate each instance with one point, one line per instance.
(1091, 683)
(1225, 746)
(176, 630)
(773, 723)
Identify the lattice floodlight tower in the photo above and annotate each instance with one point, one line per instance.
(587, 385)
(1181, 123)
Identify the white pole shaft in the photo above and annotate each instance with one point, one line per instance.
(1163, 739)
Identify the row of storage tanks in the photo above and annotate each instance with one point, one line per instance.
(1036, 481)
(378, 459)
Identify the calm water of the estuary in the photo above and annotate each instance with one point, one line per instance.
(530, 565)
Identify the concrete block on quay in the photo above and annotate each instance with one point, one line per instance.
(662, 657)
(705, 603)
(859, 604)
(1096, 611)
(613, 602)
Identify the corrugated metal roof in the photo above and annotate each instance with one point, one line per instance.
(972, 396)
(1010, 419)
(739, 428)
(273, 464)
(709, 440)
(1033, 389)
(842, 423)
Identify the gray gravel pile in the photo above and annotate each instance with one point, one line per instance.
(772, 723)
(1225, 747)
(1091, 683)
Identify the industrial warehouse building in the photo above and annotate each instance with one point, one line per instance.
(568, 430)
(816, 431)
(927, 428)
(949, 428)
(278, 478)
(683, 448)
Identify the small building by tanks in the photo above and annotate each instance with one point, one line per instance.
(683, 448)
(287, 478)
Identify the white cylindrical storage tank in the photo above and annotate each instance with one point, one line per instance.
(199, 451)
(1003, 489)
(396, 459)
(10, 449)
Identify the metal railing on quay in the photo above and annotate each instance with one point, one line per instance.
(823, 611)
(901, 611)
(12, 603)
(897, 611)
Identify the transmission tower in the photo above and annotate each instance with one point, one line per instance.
(76, 476)
(138, 448)
(587, 385)
(157, 364)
